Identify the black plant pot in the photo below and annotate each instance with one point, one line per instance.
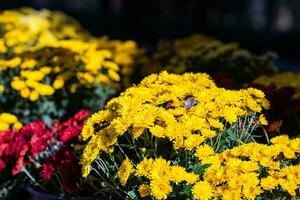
(37, 195)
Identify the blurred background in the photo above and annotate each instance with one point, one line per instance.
(258, 25)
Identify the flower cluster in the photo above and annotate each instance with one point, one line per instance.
(8, 120)
(282, 80)
(71, 61)
(41, 151)
(283, 92)
(65, 156)
(48, 58)
(167, 116)
(250, 170)
(201, 53)
(125, 54)
(161, 174)
(243, 172)
(27, 28)
(186, 109)
(169, 137)
(19, 146)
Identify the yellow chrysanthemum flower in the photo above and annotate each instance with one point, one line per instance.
(144, 167)
(160, 188)
(2, 88)
(8, 120)
(204, 151)
(185, 109)
(202, 190)
(262, 120)
(161, 169)
(124, 171)
(144, 190)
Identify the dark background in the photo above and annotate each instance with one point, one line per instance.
(258, 25)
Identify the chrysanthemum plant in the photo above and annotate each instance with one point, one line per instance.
(227, 62)
(44, 159)
(180, 137)
(283, 91)
(50, 67)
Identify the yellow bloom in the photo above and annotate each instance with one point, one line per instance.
(33, 75)
(25, 93)
(204, 151)
(230, 115)
(183, 109)
(17, 125)
(46, 90)
(280, 80)
(160, 188)
(2, 88)
(34, 95)
(282, 139)
(202, 190)
(144, 190)
(4, 126)
(102, 79)
(161, 169)
(113, 75)
(268, 183)
(262, 120)
(124, 171)
(12, 63)
(177, 143)
(3, 48)
(28, 63)
(46, 70)
(193, 141)
(18, 85)
(144, 168)
(8, 118)
(179, 174)
(58, 83)
(191, 178)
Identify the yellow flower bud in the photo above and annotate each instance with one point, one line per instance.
(18, 49)
(113, 75)
(111, 65)
(46, 90)
(28, 64)
(32, 83)
(8, 118)
(17, 125)
(58, 83)
(3, 48)
(12, 63)
(56, 69)
(2, 88)
(33, 75)
(25, 93)
(18, 85)
(46, 70)
(102, 79)
(34, 95)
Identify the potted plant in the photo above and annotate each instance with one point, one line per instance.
(46, 159)
(182, 137)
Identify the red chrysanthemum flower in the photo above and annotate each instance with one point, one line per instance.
(47, 171)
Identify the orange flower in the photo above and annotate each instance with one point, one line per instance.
(275, 126)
